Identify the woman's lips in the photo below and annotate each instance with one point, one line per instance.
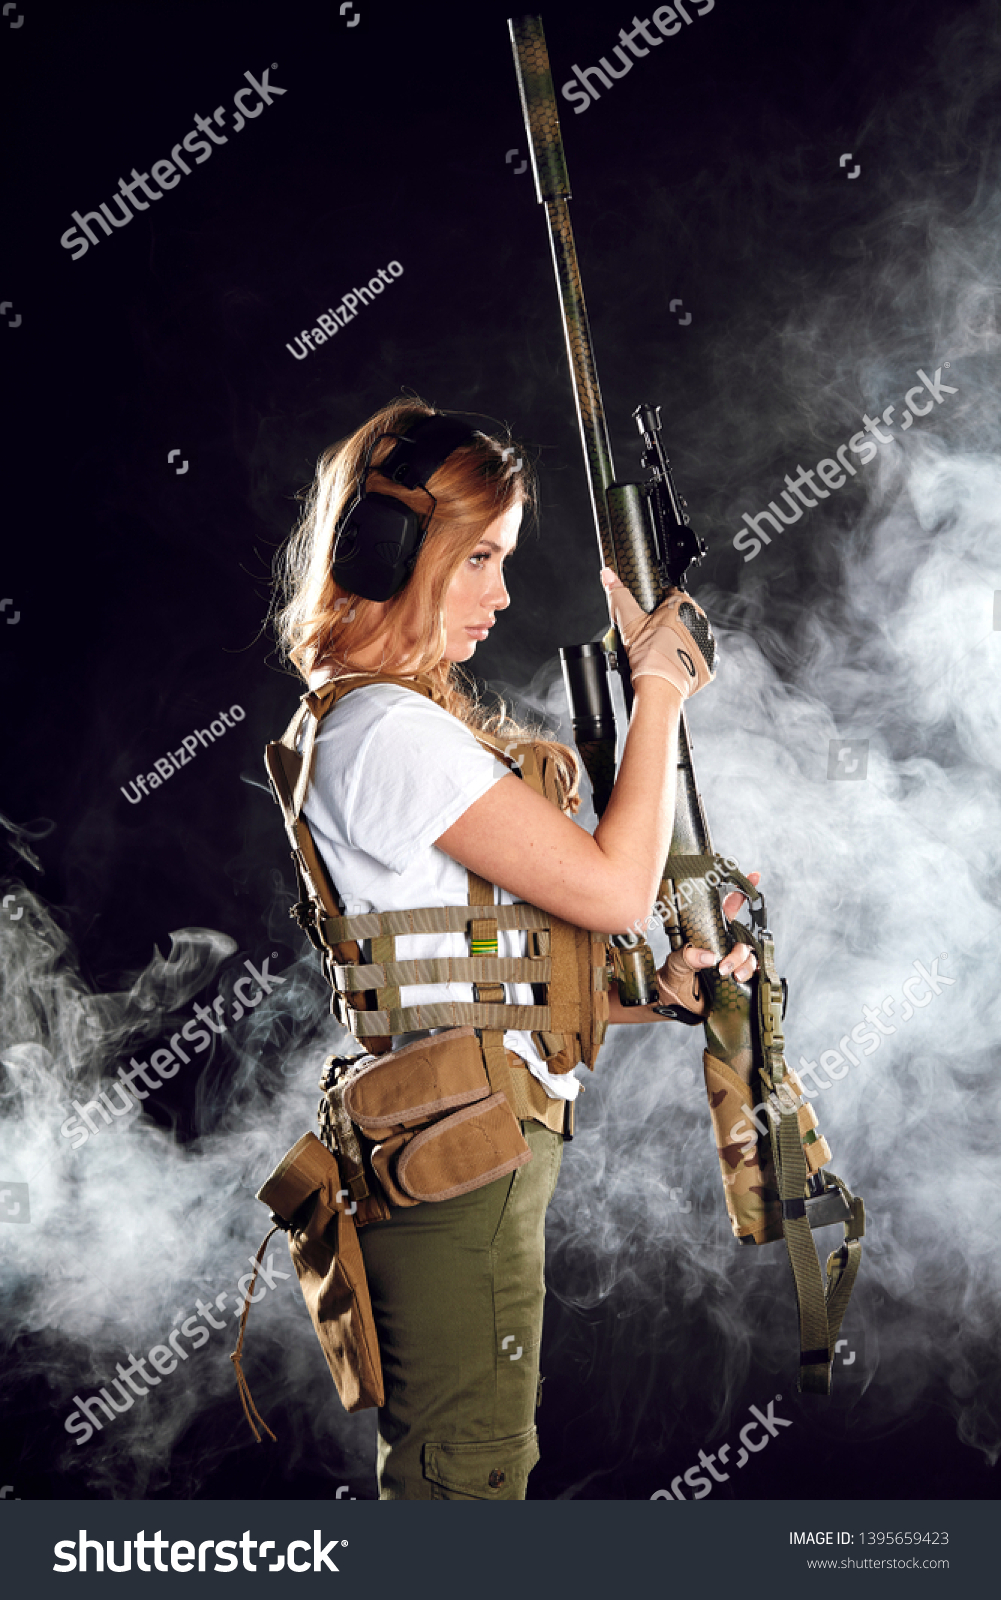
(480, 633)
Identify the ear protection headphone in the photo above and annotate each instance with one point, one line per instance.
(378, 539)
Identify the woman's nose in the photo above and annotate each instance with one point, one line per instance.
(499, 591)
(496, 597)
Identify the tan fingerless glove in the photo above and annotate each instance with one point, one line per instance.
(679, 985)
(674, 642)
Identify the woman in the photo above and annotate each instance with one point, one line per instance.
(412, 804)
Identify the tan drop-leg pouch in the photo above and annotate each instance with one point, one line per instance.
(305, 1191)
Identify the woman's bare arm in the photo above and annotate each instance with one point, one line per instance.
(608, 881)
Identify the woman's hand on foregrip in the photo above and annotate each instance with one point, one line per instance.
(674, 642)
(677, 979)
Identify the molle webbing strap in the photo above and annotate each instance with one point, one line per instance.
(429, 919)
(387, 999)
(816, 1349)
(842, 1270)
(483, 938)
(441, 1014)
(578, 974)
(816, 1353)
(290, 770)
(561, 956)
(442, 969)
(285, 768)
(498, 1070)
(482, 930)
(319, 701)
(570, 953)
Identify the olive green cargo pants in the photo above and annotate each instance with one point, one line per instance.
(457, 1290)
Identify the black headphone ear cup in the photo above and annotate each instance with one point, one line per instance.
(376, 547)
(378, 538)
(346, 542)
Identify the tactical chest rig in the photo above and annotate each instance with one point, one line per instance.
(566, 965)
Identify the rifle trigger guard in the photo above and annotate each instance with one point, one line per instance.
(676, 1013)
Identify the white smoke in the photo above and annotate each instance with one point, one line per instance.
(128, 1230)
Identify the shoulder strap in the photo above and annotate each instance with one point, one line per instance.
(527, 758)
(290, 768)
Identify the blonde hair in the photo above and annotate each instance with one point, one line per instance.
(318, 622)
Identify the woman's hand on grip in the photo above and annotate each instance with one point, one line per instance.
(675, 642)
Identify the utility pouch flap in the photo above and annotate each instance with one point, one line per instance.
(308, 1169)
(470, 1148)
(424, 1080)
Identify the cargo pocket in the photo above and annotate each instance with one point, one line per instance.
(491, 1469)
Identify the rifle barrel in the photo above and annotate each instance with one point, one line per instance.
(552, 187)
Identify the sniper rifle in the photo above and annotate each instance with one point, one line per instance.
(776, 1187)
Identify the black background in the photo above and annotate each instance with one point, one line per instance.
(710, 174)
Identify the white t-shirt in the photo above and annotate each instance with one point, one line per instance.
(391, 773)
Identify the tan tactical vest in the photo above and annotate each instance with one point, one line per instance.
(567, 965)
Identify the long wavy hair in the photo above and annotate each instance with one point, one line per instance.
(319, 624)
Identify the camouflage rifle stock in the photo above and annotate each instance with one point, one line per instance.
(775, 1186)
